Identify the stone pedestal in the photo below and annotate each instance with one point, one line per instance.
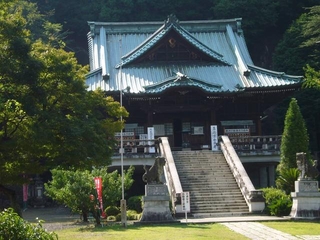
(306, 200)
(156, 205)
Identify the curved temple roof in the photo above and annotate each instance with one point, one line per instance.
(171, 23)
(115, 50)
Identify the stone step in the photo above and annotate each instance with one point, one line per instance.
(220, 214)
(219, 175)
(209, 183)
(216, 194)
(218, 210)
(216, 213)
(207, 168)
(216, 207)
(199, 159)
(195, 191)
(214, 197)
(213, 189)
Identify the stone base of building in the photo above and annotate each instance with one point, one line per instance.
(306, 200)
(156, 205)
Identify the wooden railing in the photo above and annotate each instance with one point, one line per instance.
(257, 145)
(251, 145)
(138, 148)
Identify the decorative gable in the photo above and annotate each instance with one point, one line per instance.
(169, 43)
(182, 80)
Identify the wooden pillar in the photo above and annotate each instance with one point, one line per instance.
(258, 126)
(271, 172)
(213, 117)
(263, 177)
(150, 118)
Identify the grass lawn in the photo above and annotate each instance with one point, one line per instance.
(159, 232)
(296, 227)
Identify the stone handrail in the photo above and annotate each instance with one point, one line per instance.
(252, 196)
(171, 173)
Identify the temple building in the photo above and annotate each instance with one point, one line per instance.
(181, 77)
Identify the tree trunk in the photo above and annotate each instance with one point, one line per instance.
(96, 216)
(85, 216)
(11, 194)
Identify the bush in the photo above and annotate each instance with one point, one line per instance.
(278, 203)
(12, 226)
(112, 211)
(134, 203)
(111, 218)
(133, 215)
(118, 217)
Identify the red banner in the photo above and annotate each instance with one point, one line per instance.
(98, 183)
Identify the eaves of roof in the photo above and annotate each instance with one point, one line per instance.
(275, 73)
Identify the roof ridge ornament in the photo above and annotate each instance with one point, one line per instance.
(172, 19)
(181, 77)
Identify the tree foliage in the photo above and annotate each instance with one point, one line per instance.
(47, 116)
(14, 227)
(299, 45)
(312, 78)
(73, 188)
(295, 138)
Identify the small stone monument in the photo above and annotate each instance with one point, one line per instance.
(156, 199)
(306, 198)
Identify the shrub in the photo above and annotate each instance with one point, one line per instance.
(112, 211)
(111, 218)
(286, 179)
(278, 203)
(12, 226)
(134, 203)
(118, 217)
(133, 215)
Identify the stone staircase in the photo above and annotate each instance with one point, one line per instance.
(213, 189)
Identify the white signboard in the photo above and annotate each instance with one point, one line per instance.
(241, 130)
(151, 136)
(124, 134)
(185, 201)
(143, 137)
(214, 137)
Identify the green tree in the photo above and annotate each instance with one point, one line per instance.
(294, 138)
(312, 78)
(47, 117)
(311, 32)
(300, 44)
(73, 189)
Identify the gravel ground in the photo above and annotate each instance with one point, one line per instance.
(54, 218)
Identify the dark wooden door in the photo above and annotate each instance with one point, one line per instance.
(177, 132)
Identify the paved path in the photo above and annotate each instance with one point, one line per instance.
(258, 231)
(249, 227)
